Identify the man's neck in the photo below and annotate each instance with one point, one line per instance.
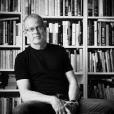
(39, 46)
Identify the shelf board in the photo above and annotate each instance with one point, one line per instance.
(10, 16)
(9, 90)
(100, 17)
(9, 46)
(78, 73)
(62, 17)
(100, 47)
(101, 73)
(73, 46)
(70, 47)
(7, 70)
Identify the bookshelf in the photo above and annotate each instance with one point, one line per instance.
(81, 26)
(100, 76)
(10, 46)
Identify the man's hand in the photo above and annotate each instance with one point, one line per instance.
(71, 107)
(58, 105)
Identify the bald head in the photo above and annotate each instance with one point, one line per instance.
(32, 17)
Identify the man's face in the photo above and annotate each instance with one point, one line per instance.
(35, 31)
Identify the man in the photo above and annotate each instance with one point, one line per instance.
(45, 77)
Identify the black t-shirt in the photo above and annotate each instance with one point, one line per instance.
(44, 68)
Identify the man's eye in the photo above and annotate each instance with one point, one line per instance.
(32, 29)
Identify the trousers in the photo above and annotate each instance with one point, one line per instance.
(86, 106)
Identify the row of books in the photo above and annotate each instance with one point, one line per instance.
(11, 83)
(101, 60)
(3, 80)
(72, 33)
(7, 58)
(7, 81)
(7, 104)
(102, 89)
(76, 58)
(10, 5)
(100, 33)
(100, 8)
(54, 7)
(10, 33)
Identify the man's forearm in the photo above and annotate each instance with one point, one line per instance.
(29, 95)
(56, 103)
(73, 91)
(73, 85)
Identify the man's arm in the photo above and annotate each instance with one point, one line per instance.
(29, 95)
(73, 86)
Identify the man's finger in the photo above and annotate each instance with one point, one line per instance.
(67, 110)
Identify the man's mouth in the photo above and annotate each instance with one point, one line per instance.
(36, 36)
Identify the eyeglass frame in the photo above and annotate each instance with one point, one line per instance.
(32, 29)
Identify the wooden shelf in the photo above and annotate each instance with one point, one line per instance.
(2, 13)
(78, 73)
(7, 70)
(103, 17)
(10, 46)
(103, 47)
(63, 17)
(101, 73)
(73, 47)
(10, 16)
(9, 90)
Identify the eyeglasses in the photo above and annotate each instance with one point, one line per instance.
(32, 29)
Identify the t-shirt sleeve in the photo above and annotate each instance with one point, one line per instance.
(21, 70)
(67, 63)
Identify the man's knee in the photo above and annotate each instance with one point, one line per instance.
(21, 109)
(97, 105)
(34, 108)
